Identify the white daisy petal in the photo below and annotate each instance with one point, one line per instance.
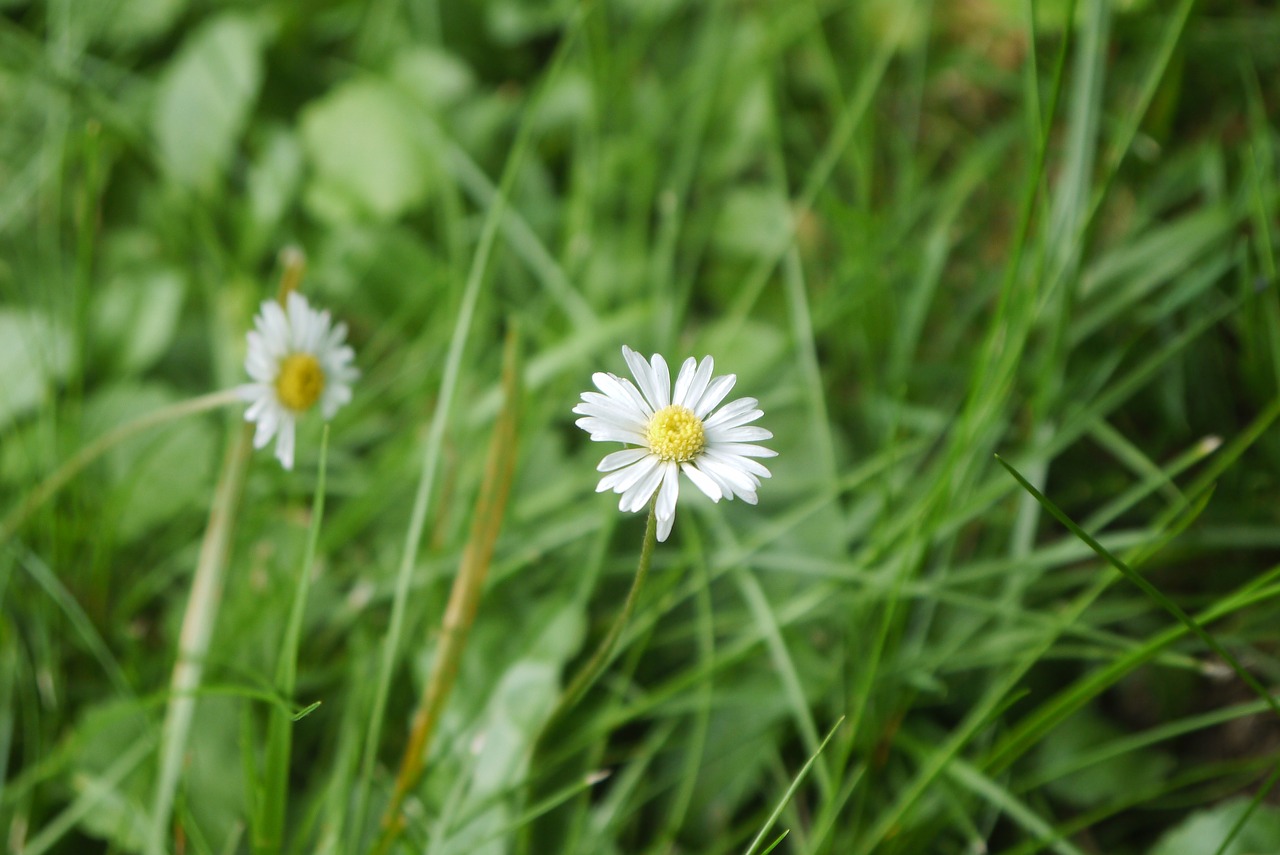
(741, 433)
(664, 528)
(698, 385)
(275, 327)
(738, 461)
(669, 491)
(638, 495)
(250, 392)
(687, 370)
(257, 361)
(604, 431)
(643, 373)
(619, 459)
(746, 450)
(337, 336)
(333, 400)
(739, 480)
(716, 390)
(702, 482)
(284, 443)
(623, 393)
(258, 406)
(661, 380)
(268, 420)
(713, 475)
(738, 412)
(621, 480)
(609, 410)
(673, 430)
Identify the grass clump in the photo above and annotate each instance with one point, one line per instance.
(923, 235)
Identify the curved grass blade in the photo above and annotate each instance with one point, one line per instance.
(1146, 587)
(786, 797)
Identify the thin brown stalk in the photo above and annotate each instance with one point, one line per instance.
(464, 598)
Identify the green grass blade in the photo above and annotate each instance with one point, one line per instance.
(1152, 592)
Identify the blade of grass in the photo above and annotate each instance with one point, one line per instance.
(774, 845)
(1152, 592)
(98, 789)
(1132, 743)
(1131, 119)
(66, 601)
(434, 443)
(1257, 799)
(837, 145)
(997, 696)
(1002, 799)
(464, 597)
(791, 790)
(786, 670)
(697, 739)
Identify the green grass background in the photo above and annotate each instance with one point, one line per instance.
(921, 233)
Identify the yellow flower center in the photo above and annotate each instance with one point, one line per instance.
(300, 382)
(675, 433)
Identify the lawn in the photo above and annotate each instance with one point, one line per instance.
(1001, 276)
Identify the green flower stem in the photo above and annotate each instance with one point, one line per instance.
(586, 677)
(100, 446)
(268, 835)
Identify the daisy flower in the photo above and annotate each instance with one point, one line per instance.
(297, 359)
(673, 431)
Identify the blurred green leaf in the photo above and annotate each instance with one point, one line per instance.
(1098, 783)
(135, 318)
(756, 222)
(1205, 830)
(370, 158)
(36, 352)
(156, 475)
(130, 22)
(102, 734)
(273, 182)
(437, 78)
(118, 811)
(752, 350)
(204, 98)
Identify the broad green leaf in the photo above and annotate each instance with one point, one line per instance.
(119, 805)
(754, 223)
(135, 318)
(36, 352)
(273, 181)
(1205, 830)
(204, 99)
(437, 78)
(130, 22)
(1105, 781)
(101, 736)
(160, 473)
(370, 156)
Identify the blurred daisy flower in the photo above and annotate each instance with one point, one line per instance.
(297, 359)
(674, 431)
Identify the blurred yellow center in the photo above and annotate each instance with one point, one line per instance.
(300, 382)
(675, 433)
